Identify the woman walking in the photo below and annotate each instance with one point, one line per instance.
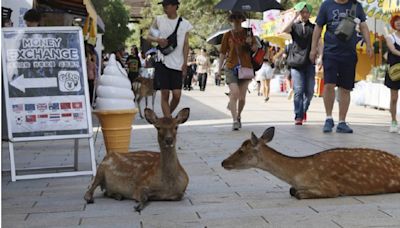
(235, 47)
(393, 43)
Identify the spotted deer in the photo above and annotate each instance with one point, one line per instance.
(145, 175)
(143, 88)
(330, 173)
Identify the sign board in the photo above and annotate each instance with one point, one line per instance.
(45, 78)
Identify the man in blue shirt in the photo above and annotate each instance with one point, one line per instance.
(339, 57)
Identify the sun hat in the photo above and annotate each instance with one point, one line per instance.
(299, 6)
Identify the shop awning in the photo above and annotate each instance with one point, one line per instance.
(83, 8)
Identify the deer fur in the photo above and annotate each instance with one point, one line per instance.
(330, 173)
(143, 88)
(145, 175)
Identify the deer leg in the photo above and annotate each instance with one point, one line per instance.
(143, 198)
(98, 180)
(153, 97)
(314, 192)
(138, 104)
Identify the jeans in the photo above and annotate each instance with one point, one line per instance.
(303, 86)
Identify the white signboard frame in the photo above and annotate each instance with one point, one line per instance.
(46, 90)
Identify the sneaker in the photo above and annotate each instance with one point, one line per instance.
(343, 128)
(240, 122)
(266, 99)
(328, 125)
(305, 117)
(298, 121)
(393, 127)
(235, 126)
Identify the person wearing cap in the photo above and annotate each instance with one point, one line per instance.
(339, 57)
(393, 44)
(302, 69)
(236, 44)
(170, 69)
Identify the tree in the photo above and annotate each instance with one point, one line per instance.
(116, 18)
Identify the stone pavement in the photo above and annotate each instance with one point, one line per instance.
(215, 197)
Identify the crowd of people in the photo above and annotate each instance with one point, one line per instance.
(183, 69)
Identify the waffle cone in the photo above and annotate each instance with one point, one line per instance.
(116, 126)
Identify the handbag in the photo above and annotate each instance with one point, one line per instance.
(394, 72)
(172, 41)
(243, 72)
(296, 57)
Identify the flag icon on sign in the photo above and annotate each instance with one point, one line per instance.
(54, 106)
(65, 105)
(76, 105)
(30, 118)
(17, 107)
(78, 116)
(29, 107)
(41, 106)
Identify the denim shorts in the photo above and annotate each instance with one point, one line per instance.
(232, 77)
(340, 72)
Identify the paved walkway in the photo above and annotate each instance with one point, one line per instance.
(215, 197)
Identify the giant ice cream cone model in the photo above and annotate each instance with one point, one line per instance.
(115, 107)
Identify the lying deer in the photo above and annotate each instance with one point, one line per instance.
(330, 173)
(145, 175)
(143, 87)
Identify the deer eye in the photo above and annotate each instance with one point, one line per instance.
(240, 152)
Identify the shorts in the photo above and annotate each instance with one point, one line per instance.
(231, 77)
(340, 72)
(166, 78)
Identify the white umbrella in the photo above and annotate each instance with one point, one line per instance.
(216, 38)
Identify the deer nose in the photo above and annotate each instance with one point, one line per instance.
(169, 141)
(223, 163)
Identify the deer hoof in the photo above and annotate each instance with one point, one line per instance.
(89, 198)
(292, 191)
(118, 197)
(139, 207)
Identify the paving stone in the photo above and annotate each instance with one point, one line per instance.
(215, 197)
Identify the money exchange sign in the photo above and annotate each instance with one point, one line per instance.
(45, 80)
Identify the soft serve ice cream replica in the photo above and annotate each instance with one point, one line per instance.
(115, 107)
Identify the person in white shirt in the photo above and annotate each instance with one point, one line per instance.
(265, 74)
(170, 68)
(203, 68)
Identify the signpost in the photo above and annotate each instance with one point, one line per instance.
(46, 90)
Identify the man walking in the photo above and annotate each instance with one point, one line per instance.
(302, 70)
(171, 67)
(339, 57)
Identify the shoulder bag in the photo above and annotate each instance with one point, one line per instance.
(243, 72)
(344, 31)
(172, 41)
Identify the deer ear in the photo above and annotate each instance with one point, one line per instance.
(268, 134)
(183, 115)
(150, 116)
(254, 139)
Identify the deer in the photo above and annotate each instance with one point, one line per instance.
(143, 88)
(145, 175)
(327, 174)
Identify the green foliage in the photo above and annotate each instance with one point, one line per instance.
(116, 18)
